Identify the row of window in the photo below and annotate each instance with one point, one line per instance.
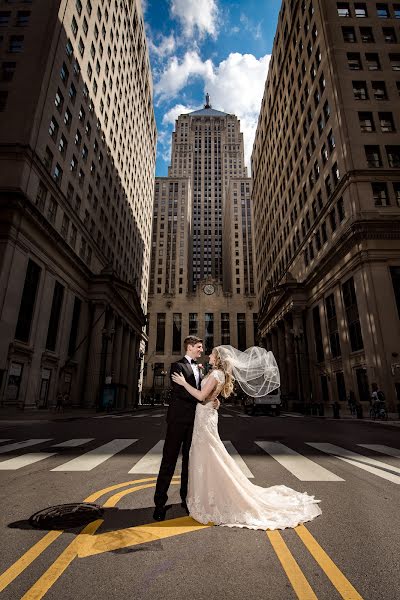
(385, 120)
(366, 35)
(360, 10)
(374, 157)
(379, 90)
(20, 19)
(372, 61)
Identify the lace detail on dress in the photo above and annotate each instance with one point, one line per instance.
(220, 493)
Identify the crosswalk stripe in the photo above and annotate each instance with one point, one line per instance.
(358, 460)
(74, 443)
(150, 463)
(160, 415)
(5, 440)
(93, 458)
(12, 464)
(24, 444)
(225, 415)
(300, 466)
(382, 449)
(238, 459)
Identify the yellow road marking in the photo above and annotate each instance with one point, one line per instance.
(48, 579)
(343, 585)
(134, 536)
(295, 575)
(97, 495)
(26, 559)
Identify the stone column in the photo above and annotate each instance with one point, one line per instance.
(132, 391)
(290, 360)
(282, 364)
(95, 356)
(123, 376)
(274, 339)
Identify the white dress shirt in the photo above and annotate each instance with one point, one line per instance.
(195, 370)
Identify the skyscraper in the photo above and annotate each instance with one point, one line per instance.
(201, 277)
(78, 135)
(326, 192)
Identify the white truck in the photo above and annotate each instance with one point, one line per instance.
(269, 404)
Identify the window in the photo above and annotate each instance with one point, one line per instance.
(16, 43)
(393, 155)
(241, 329)
(78, 5)
(69, 49)
(65, 227)
(389, 35)
(349, 35)
(27, 306)
(366, 122)
(340, 209)
(81, 47)
(373, 63)
(380, 194)
(335, 174)
(395, 275)
(4, 17)
(23, 18)
(331, 141)
(367, 36)
(59, 100)
(160, 340)
(396, 190)
(64, 73)
(360, 10)
(360, 90)
(318, 340)
(52, 210)
(352, 315)
(354, 61)
(74, 27)
(58, 173)
(67, 118)
(41, 197)
(63, 144)
(333, 331)
(225, 329)
(55, 314)
(386, 122)
(48, 158)
(7, 71)
(373, 156)
(379, 90)
(382, 11)
(72, 93)
(343, 9)
(209, 332)
(396, 11)
(176, 332)
(53, 128)
(395, 61)
(193, 324)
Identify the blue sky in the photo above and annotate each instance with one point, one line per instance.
(208, 45)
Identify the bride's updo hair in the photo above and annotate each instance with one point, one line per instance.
(226, 368)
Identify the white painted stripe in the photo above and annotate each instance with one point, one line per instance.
(23, 461)
(238, 459)
(102, 417)
(154, 416)
(225, 415)
(5, 440)
(291, 415)
(138, 416)
(150, 463)
(382, 449)
(338, 451)
(94, 458)
(25, 444)
(74, 443)
(300, 466)
(358, 460)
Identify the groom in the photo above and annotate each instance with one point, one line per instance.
(180, 421)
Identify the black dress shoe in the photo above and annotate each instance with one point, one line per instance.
(159, 513)
(185, 506)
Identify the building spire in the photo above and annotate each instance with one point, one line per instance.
(207, 104)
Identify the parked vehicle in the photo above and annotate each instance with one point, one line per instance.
(269, 404)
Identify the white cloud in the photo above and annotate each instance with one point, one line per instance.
(177, 74)
(200, 15)
(235, 86)
(163, 46)
(179, 109)
(254, 30)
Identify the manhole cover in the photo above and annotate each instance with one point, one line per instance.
(65, 516)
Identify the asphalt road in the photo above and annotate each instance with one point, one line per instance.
(352, 551)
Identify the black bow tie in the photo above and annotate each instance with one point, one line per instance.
(194, 361)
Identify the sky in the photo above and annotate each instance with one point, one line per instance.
(217, 46)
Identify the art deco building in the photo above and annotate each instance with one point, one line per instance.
(201, 277)
(326, 193)
(77, 154)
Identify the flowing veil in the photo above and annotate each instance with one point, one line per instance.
(255, 369)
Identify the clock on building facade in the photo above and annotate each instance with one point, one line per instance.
(209, 289)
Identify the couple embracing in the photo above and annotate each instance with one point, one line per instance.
(213, 488)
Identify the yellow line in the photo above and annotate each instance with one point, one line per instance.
(117, 497)
(48, 579)
(96, 495)
(343, 585)
(296, 577)
(26, 559)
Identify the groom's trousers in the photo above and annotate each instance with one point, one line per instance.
(178, 434)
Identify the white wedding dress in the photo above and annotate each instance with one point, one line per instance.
(220, 493)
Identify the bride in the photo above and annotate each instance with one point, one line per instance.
(218, 491)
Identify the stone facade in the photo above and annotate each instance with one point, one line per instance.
(326, 194)
(77, 155)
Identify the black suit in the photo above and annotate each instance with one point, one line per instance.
(180, 420)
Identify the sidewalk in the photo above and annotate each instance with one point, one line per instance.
(12, 413)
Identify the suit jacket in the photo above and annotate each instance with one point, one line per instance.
(182, 405)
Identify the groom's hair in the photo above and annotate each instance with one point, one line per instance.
(191, 340)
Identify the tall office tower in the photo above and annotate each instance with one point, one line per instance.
(326, 192)
(77, 152)
(202, 277)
